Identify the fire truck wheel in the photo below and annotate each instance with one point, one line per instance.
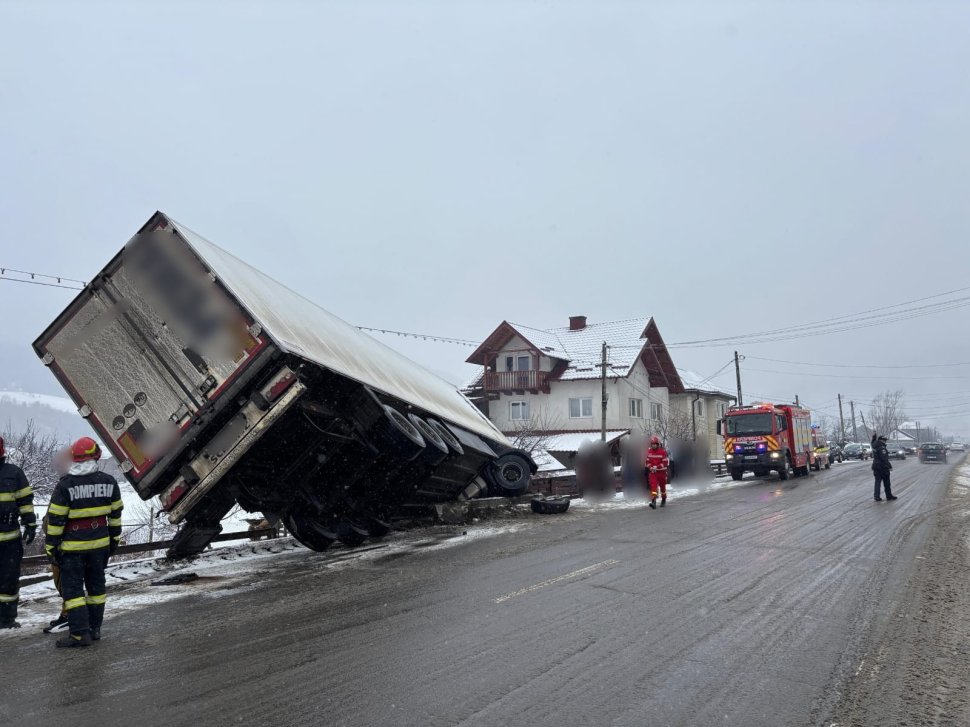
(783, 473)
(736, 475)
(828, 465)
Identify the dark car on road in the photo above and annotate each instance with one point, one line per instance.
(932, 452)
(897, 453)
(855, 451)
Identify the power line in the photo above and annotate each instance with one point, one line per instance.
(37, 282)
(424, 336)
(58, 278)
(861, 366)
(851, 376)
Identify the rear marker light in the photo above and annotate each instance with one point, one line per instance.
(173, 496)
(280, 386)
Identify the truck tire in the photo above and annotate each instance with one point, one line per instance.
(737, 475)
(818, 465)
(397, 435)
(309, 532)
(436, 449)
(509, 475)
(376, 527)
(828, 465)
(350, 533)
(453, 444)
(550, 504)
(783, 473)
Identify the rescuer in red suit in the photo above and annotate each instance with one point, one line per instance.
(657, 464)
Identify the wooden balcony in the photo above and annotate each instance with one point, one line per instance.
(515, 380)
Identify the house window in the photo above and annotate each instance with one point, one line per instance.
(700, 408)
(510, 363)
(721, 410)
(656, 411)
(525, 363)
(519, 411)
(636, 408)
(580, 408)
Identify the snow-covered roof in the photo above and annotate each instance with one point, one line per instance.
(581, 349)
(571, 441)
(584, 347)
(695, 382)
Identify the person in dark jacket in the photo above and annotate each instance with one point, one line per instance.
(83, 532)
(881, 467)
(16, 508)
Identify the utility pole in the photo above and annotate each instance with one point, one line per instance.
(737, 373)
(864, 422)
(796, 400)
(841, 422)
(603, 377)
(917, 434)
(855, 434)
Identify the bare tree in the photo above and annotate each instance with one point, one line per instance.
(536, 433)
(34, 453)
(886, 412)
(670, 426)
(145, 523)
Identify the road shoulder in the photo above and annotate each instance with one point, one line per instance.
(917, 669)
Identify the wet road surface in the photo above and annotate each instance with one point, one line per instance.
(744, 606)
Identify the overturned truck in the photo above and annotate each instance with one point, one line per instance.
(213, 384)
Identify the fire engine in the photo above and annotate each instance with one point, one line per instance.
(767, 437)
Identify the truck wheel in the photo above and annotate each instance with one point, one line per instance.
(376, 528)
(737, 475)
(350, 534)
(828, 465)
(783, 473)
(436, 449)
(817, 466)
(550, 504)
(398, 435)
(309, 532)
(509, 475)
(449, 438)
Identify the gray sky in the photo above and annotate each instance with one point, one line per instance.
(439, 167)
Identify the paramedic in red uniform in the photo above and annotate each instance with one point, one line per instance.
(657, 464)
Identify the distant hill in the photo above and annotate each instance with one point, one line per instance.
(55, 415)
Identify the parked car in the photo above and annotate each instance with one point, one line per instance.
(958, 447)
(856, 451)
(910, 450)
(896, 453)
(932, 452)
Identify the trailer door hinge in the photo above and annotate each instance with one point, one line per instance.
(84, 411)
(48, 359)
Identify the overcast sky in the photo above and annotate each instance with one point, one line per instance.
(439, 167)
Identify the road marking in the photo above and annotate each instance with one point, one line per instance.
(558, 579)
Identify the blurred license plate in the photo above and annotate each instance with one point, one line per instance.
(751, 456)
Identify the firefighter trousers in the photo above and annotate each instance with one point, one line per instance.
(11, 553)
(658, 484)
(83, 589)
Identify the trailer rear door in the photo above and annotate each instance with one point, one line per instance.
(147, 345)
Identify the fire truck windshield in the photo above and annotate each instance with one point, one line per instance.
(743, 425)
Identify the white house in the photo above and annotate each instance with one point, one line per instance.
(549, 381)
(700, 406)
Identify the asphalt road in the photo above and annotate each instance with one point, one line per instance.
(743, 606)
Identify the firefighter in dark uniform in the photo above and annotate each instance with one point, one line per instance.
(83, 531)
(16, 508)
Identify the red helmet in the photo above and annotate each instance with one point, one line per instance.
(3, 452)
(654, 440)
(84, 449)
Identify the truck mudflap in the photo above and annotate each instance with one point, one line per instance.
(233, 441)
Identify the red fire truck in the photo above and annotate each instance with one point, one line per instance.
(763, 437)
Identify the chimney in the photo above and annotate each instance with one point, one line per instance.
(577, 323)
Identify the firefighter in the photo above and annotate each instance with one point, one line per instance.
(16, 509)
(657, 464)
(84, 531)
